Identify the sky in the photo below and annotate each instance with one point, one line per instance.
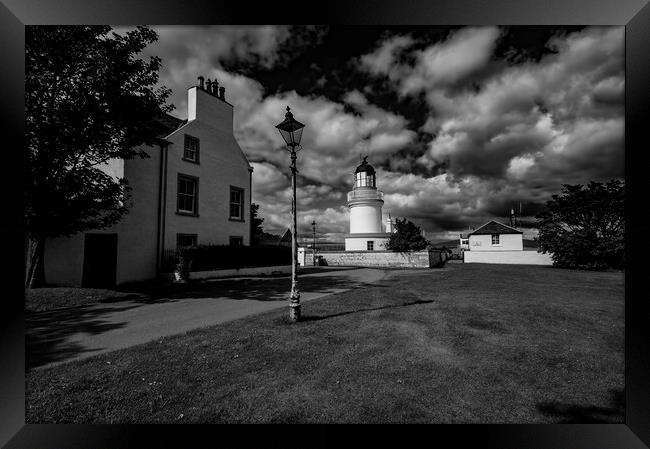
(461, 123)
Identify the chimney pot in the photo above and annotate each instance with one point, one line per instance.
(200, 78)
(208, 85)
(222, 93)
(215, 88)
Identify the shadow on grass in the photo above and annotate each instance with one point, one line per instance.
(272, 289)
(586, 414)
(285, 320)
(47, 333)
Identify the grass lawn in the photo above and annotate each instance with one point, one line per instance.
(468, 343)
(50, 298)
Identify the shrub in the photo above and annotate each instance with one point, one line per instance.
(407, 237)
(223, 257)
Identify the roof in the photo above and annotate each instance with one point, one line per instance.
(365, 166)
(169, 124)
(494, 227)
(286, 237)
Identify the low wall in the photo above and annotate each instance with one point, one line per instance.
(508, 257)
(254, 271)
(385, 259)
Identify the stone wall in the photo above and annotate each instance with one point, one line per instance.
(385, 259)
(254, 271)
(508, 257)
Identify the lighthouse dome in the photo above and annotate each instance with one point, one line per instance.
(365, 167)
(364, 176)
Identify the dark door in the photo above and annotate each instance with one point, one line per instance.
(100, 261)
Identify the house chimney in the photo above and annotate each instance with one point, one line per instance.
(200, 78)
(222, 93)
(215, 88)
(208, 85)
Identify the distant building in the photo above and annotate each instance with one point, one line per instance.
(495, 242)
(495, 236)
(193, 189)
(285, 240)
(463, 243)
(367, 232)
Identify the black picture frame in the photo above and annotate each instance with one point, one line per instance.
(633, 14)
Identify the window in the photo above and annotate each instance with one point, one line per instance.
(371, 245)
(495, 239)
(188, 194)
(236, 241)
(362, 179)
(185, 240)
(236, 203)
(191, 149)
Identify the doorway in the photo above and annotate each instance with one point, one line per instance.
(100, 261)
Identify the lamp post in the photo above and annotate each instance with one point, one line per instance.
(313, 225)
(291, 131)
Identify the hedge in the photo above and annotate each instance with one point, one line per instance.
(223, 257)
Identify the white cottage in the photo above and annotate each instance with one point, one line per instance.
(495, 236)
(195, 188)
(495, 242)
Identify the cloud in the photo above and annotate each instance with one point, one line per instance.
(382, 60)
(447, 62)
(495, 132)
(190, 51)
(565, 108)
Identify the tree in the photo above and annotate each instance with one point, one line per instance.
(256, 225)
(407, 237)
(584, 226)
(88, 100)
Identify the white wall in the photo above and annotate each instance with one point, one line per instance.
(137, 230)
(361, 244)
(507, 242)
(366, 218)
(221, 164)
(508, 257)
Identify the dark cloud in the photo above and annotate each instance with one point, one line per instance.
(461, 123)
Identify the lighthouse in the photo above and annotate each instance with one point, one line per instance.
(365, 202)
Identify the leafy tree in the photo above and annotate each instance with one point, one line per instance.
(256, 225)
(88, 99)
(407, 237)
(584, 226)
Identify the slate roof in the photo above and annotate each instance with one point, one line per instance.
(494, 227)
(169, 124)
(286, 237)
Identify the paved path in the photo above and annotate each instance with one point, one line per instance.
(69, 334)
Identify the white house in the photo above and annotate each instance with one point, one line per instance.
(365, 202)
(495, 242)
(195, 188)
(495, 236)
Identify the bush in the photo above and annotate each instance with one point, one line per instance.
(223, 257)
(407, 237)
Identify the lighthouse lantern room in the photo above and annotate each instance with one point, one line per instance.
(365, 202)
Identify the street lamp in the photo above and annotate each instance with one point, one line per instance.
(313, 225)
(291, 131)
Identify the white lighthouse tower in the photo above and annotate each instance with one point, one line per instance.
(365, 201)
